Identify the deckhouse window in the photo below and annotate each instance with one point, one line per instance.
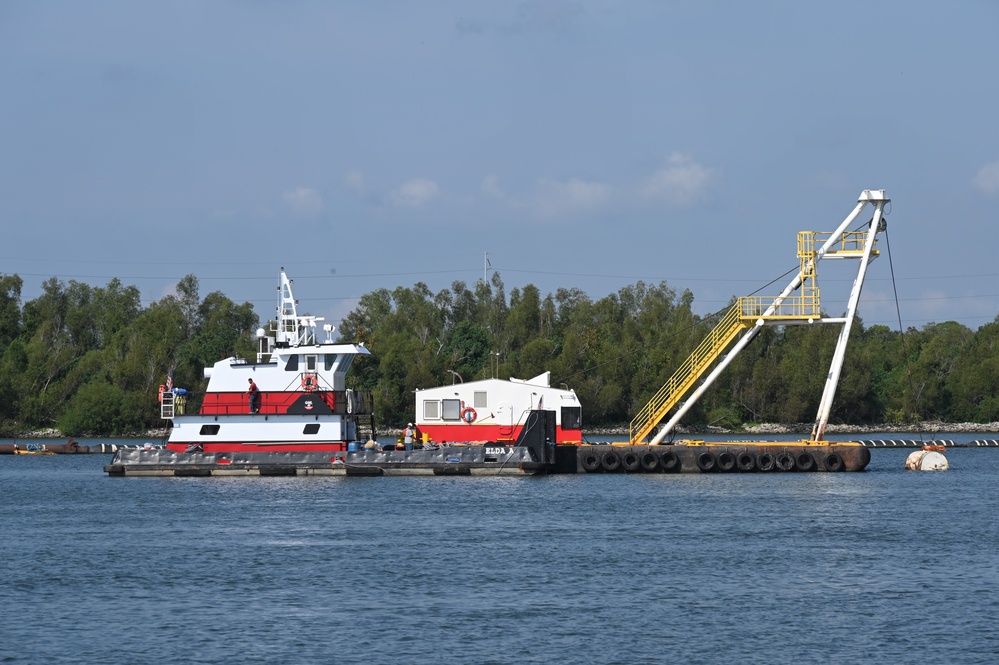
(311, 428)
(572, 417)
(479, 399)
(431, 410)
(328, 360)
(292, 365)
(209, 430)
(451, 409)
(310, 363)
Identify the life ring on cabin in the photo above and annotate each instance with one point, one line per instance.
(309, 382)
(468, 415)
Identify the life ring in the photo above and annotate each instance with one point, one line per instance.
(468, 415)
(726, 461)
(162, 390)
(631, 461)
(650, 462)
(591, 462)
(308, 382)
(610, 461)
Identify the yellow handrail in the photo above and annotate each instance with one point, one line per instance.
(687, 374)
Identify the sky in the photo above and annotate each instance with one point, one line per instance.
(571, 144)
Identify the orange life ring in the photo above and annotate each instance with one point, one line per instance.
(162, 390)
(468, 415)
(308, 382)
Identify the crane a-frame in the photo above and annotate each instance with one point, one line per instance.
(750, 313)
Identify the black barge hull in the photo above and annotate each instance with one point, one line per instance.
(534, 453)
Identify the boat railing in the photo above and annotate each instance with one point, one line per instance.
(340, 402)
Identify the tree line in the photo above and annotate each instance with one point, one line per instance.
(90, 360)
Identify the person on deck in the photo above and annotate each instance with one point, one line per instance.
(254, 394)
(407, 436)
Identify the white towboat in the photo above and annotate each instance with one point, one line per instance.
(303, 402)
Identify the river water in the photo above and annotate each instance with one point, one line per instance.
(885, 566)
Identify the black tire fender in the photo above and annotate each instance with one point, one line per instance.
(833, 462)
(591, 462)
(630, 461)
(610, 461)
(670, 461)
(706, 461)
(650, 462)
(726, 461)
(785, 461)
(765, 462)
(746, 461)
(804, 461)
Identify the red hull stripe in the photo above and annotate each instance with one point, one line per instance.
(498, 433)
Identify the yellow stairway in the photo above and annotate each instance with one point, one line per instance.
(689, 372)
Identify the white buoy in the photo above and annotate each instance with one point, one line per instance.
(926, 460)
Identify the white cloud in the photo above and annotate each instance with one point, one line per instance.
(681, 183)
(491, 186)
(573, 197)
(304, 202)
(415, 193)
(355, 182)
(987, 179)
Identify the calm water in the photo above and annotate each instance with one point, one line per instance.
(886, 566)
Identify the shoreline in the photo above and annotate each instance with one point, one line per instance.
(929, 427)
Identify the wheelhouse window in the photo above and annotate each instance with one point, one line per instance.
(328, 360)
(431, 410)
(209, 430)
(450, 409)
(292, 364)
(572, 417)
(479, 399)
(310, 363)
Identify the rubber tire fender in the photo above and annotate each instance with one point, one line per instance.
(650, 462)
(706, 462)
(610, 461)
(630, 461)
(591, 462)
(833, 462)
(726, 462)
(765, 462)
(785, 461)
(804, 461)
(746, 461)
(670, 461)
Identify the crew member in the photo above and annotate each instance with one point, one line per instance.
(254, 394)
(407, 436)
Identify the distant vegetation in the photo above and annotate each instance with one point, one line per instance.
(90, 360)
